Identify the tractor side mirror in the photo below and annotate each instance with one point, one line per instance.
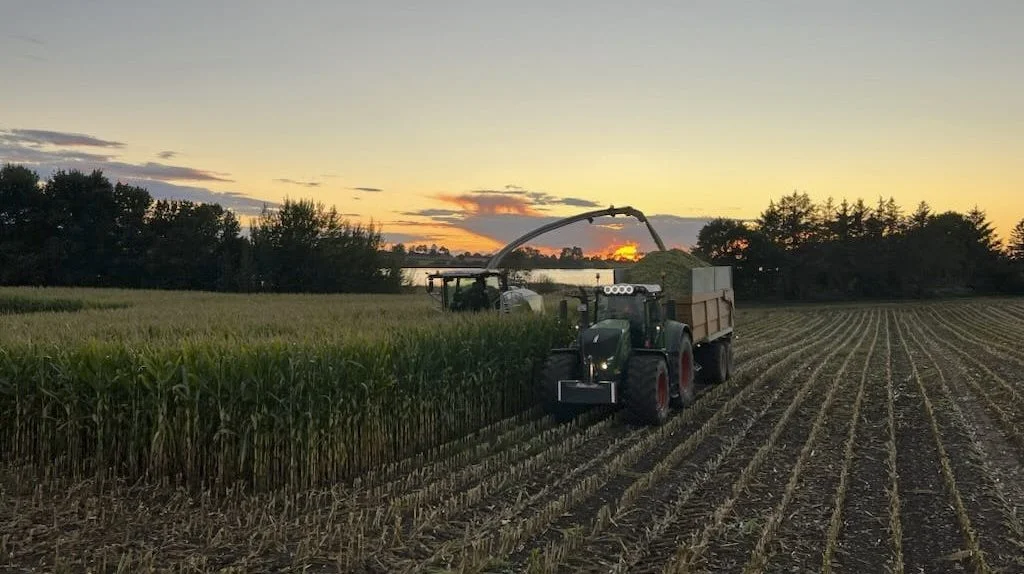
(563, 311)
(430, 285)
(670, 309)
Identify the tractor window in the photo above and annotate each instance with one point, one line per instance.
(653, 312)
(476, 293)
(621, 307)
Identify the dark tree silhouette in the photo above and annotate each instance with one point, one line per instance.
(305, 247)
(1016, 247)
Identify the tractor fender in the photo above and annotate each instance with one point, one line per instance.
(659, 352)
(674, 331)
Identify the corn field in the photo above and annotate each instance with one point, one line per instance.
(852, 438)
(271, 391)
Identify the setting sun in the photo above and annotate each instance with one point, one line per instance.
(628, 252)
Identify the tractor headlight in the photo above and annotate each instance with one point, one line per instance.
(603, 365)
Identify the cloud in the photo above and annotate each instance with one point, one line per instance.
(16, 153)
(297, 182)
(348, 214)
(579, 202)
(538, 199)
(431, 212)
(237, 202)
(407, 238)
(367, 189)
(65, 139)
(489, 202)
(30, 39)
(166, 154)
(163, 172)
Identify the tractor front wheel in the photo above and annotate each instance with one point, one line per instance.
(646, 396)
(559, 367)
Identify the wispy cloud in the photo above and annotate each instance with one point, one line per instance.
(433, 212)
(18, 153)
(367, 189)
(64, 139)
(47, 151)
(30, 39)
(489, 203)
(161, 171)
(406, 238)
(237, 202)
(297, 182)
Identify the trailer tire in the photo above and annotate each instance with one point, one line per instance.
(729, 361)
(716, 363)
(560, 366)
(682, 369)
(646, 395)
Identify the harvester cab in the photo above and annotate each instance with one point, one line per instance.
(481, 290)
(628, 351)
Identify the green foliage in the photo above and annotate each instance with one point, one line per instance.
(271, 390)
(78, 229)
(10, 304)
(304, 246)
(1016, 246)
(799, 250)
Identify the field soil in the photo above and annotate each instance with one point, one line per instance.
(854, 438)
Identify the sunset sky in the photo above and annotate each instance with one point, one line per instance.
(467, 123)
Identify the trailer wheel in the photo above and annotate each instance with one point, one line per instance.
(559, 367)
(717, 365)
(646, 396)
(729, 362)
(682, 369)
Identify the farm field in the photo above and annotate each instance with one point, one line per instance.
(852, 438)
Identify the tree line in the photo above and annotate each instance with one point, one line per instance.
(78, 229)
(797, 249)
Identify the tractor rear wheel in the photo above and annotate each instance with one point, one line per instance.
(717, 366)
(559, 367)
(646, 394)
(681, 372)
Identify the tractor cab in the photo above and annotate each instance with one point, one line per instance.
(639, 305)
(468, 289)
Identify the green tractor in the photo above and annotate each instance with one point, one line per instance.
(629, 351)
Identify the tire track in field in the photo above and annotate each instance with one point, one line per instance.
(992, 331)
(862, 513)
(933, 525)
(812, 523)
(622, 533)
(758, 513)
(986, 505)
(992, 390)
(713, 508)
(988, 347)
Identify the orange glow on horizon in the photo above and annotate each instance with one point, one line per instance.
(627, 252)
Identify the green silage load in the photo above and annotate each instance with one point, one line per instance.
(674, 264)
